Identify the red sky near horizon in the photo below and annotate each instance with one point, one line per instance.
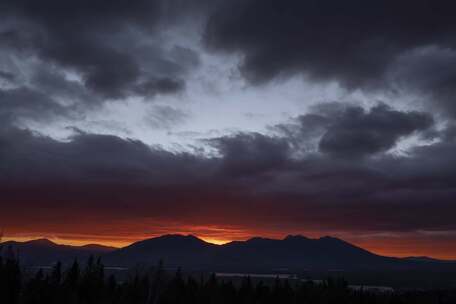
(110, 217)
(388, 245)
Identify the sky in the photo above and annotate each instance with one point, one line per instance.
(124, 120)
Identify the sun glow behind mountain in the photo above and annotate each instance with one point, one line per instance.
(214, 240)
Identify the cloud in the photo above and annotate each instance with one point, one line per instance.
(164, 117)
(254, 181)
(7, 76)
(352, 41)
(162, 85)
(355, 132)
(350, 131)
(26, 103)
(375, 46)
(245, 154)
(116, 49)
(428, 72)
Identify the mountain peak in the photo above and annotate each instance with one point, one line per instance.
(296, 237)
(329, 238)
(170, 239)
(179, 237)
(258, 239)
(41, 242)
(98, 247)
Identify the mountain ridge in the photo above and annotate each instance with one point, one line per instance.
(44, 252)
(295, 252)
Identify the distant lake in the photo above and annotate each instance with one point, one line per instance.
(257, 275)
(116, 268)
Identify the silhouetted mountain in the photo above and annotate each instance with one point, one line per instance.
(43, 252)
(297, 252)
(97, 248)
(428, 259)
(175, 250)
(294, 253)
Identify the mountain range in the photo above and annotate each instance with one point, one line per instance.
(43, 252)
(293, 253)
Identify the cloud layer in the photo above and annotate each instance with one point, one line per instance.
(255, 181)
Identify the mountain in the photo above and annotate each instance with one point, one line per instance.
(297, 252)
(293, 253)
(428, 259)
(43, 252)
(175, 250)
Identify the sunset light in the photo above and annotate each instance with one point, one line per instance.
(214, 241)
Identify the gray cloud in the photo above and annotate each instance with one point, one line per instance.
(350, 131)
(355, 132)
(353, 41)
(162, 85)
(250, 153)
(375, 45)
(113, 46)
(7, 76)
(161, 116)
(428, 73)
(26, 103)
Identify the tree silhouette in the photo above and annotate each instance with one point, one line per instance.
(87, 284)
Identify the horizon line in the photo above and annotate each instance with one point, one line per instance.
(82, 243)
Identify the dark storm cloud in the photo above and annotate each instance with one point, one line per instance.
(357, 132)
(109, 43)
(352, 40)
(86, 158)
(350, 131)
(429, 72)
(26, 103)
(7, 76)
(245, 154)
(357, 43)
(162, 85)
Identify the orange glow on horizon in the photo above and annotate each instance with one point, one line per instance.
(214, 240)
(117, 244)
(69, 242)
